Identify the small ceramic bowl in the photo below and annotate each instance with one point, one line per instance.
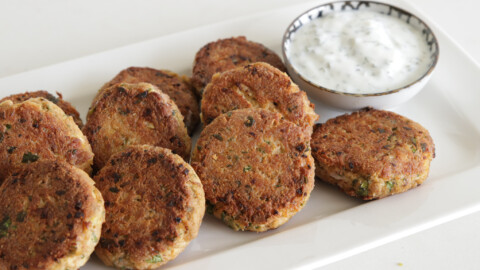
(349, 101)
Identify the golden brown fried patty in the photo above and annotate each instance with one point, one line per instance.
(176, 87)
(64, 105)
(225, 54)
(154, 207)
(38, 129)
(257, 85)
(371, 154)
(255, 167)
(130, 114)
(50, 217)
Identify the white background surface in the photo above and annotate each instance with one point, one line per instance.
(38, 33)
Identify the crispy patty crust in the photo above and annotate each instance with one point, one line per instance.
(154, 207)
(177, 88)
(225, 54)
(371, 154)
(50, 217)
(66, 106)
(38, 129)
(255, 167)
(131, 114)
(257, 85)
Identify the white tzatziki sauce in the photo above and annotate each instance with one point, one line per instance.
(359, 52)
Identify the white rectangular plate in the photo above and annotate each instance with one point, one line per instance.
(332, 226)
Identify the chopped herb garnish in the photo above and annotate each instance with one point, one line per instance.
(229, 114)
(247, 168)
(381, 130)
(390, 185)
(10, 149)
(94, 237)
(114, 189)
(4, 225)
(174, 112)
(218, 137)
(1, 136)
(250, 121)
(363, 189)
(261, 150)
(29, 157)
(8, 126)
(414, 141)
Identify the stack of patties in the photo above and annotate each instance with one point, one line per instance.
(50, 212)
(154, 200)
(253, 157)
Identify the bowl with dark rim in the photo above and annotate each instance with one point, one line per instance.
(382, 99)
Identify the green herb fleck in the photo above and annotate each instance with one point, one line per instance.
(390, 185)
(94, 237)
(199, 147)
(174, 112)
(261, 150)
(8, 126)
(363, 189)
(114, 189)
(1, 137)
(218, 137)
(10, 149)
(155, 259)
(247, 168)
(250, 121)
(29, 157)
(229, 114)
(4, 225)
(21, 216)
(381, 130)
(414, 141)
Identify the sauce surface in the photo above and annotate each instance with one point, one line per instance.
(359, 52)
